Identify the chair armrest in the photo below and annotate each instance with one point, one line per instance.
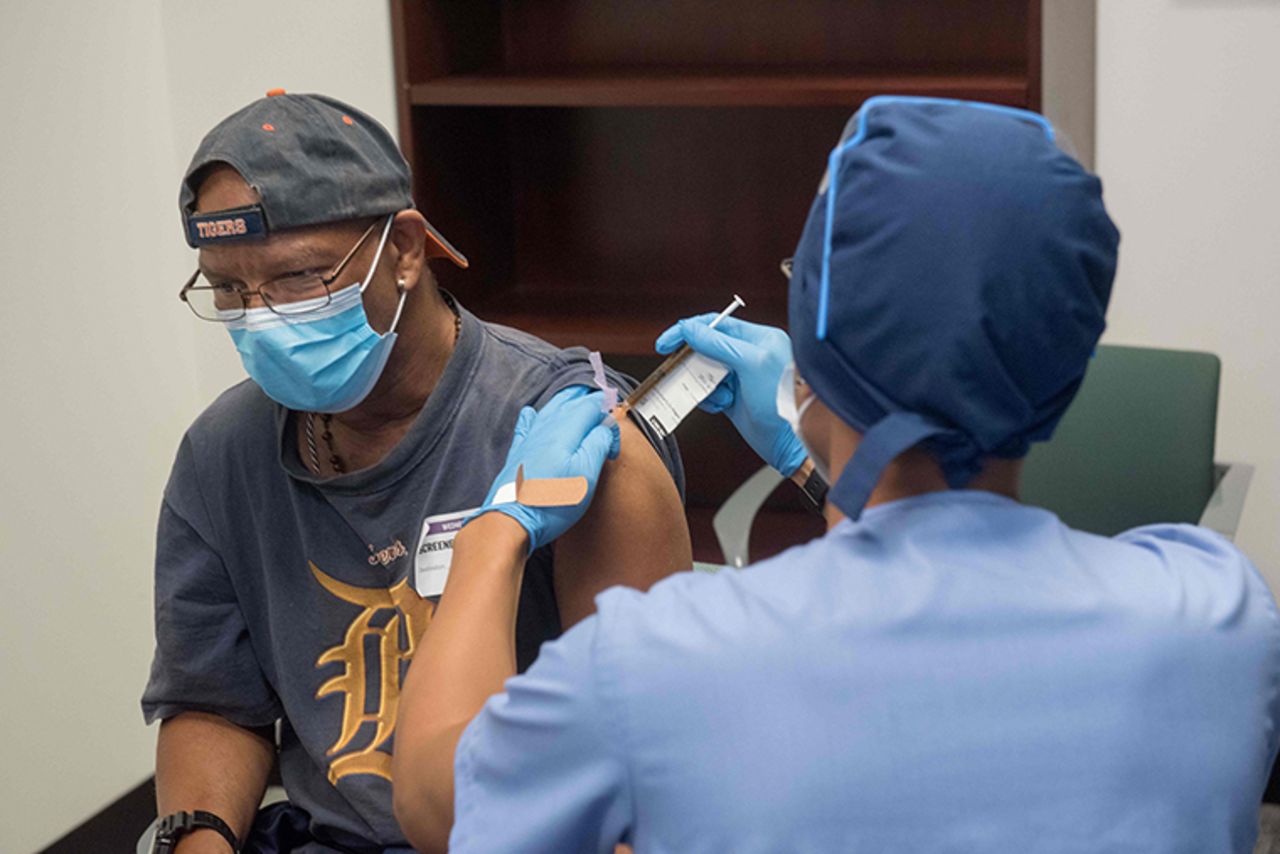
(1226, 504)
(145, 841)
(732, 522)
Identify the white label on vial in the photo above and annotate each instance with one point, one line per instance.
(676, 394)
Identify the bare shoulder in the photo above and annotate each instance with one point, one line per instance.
(634, 534)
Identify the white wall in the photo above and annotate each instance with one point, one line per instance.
(1188, 146)
(103, 368)
(1069, 42)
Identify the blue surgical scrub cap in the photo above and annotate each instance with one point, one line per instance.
(950, 285)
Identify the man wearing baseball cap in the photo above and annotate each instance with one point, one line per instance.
(307, 527)
(946, 669)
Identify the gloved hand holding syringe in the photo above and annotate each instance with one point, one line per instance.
(678, 385)
(683, 381)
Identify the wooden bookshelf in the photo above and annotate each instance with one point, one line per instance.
(699, 88)
(618, 324)
(610, 167)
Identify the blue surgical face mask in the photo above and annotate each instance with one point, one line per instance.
(325, 360)
(787, 411)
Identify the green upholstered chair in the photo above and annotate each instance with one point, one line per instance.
(1136, 447)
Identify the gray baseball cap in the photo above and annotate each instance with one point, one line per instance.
(311, 159)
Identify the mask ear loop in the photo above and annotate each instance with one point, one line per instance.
(404, 293)
(833, 181)
(377, 256)
(400, 288)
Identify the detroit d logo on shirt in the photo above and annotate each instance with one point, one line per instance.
(380, 639)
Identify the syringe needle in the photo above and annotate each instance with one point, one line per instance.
(671, 361)
(738, 302)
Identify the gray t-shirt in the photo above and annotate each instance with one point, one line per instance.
(280, 596)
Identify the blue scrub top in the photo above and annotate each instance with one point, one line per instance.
(953, 672)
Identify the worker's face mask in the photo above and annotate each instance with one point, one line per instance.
(787, 411)
(325, 360)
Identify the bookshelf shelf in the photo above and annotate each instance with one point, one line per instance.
(700, 88)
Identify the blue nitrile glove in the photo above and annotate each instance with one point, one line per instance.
(755, 356)
(570, 437)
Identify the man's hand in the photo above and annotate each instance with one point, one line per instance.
(570, 438)
(756, 356)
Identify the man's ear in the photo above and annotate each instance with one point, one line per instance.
(409, 239)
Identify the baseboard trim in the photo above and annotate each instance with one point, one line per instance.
(116, 827)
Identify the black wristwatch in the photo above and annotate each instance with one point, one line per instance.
(813, 485)
(173, 827)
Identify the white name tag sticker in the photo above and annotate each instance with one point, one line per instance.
(435, 551)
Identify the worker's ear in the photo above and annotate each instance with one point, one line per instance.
(409, 244)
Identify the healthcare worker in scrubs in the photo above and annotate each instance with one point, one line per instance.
(946, 669)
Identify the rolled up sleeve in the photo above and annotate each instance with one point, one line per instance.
(204, 660)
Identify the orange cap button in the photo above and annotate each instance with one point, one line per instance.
(271, 93)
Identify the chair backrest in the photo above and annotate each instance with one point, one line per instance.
(1136, 446)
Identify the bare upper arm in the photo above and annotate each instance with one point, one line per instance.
(634, 534)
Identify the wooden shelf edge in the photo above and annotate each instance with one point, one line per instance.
(619, 328)
(618, 335)
(709, 90)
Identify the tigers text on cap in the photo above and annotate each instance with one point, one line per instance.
(311, 159)
(950, 285)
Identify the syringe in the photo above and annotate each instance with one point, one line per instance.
(671, 362)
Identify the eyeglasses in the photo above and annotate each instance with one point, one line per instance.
(294, 294)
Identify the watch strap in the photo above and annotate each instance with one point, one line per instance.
(813, 485)
(176, 825)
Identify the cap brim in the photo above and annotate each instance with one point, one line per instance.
(443, 248)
